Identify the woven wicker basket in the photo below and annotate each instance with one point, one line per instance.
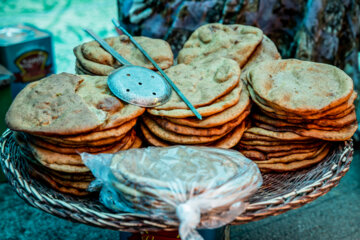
(279, 193)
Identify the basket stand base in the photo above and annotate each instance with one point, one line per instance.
(222, 233)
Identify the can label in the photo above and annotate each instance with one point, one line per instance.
(27, 52)
(32, 66)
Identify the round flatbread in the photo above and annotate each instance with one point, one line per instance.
(137, 143)
(67, 104)
(300, 87)
(216, 40)
(151, 138)
(228, 141)
(219, 105)
(69, 150)
(288, 147)
(73, 184)
(90, 66)
(294, 156)
(78, 177)
(76, 150)
(293, 166)
(95, 137)
(185, 130)
(45, 156)
(202, 83)
(274, 143)
(79, 69)
(343, 134)
(240, 110)
(252, 136)
(286, 153)
(277, 135)
(128, 144)
(65, 168)
(231, 139)
(99, 143)
(279, 123)
(98, 61)
(176, 138)
(58, 187)
(336, 112)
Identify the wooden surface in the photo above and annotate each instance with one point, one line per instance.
(333, 216)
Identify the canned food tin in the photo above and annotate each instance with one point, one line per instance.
(27, 52)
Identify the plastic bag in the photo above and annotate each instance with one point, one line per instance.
(200, 187)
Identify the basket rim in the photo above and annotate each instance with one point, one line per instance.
(133, 222)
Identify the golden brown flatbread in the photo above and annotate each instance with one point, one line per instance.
(253, 154)
(137, 143)
(240, 110)
(252, 136)
(151, 138)
(219, 105)
(336, 112)
(44, 155)
(275, 143)
(176, 138)
(185, 130)
(94, 136)
(300, 87)
(98, 143)
(293, 166)
(216, 40)
(76, 150)
(231, 139)
(288, 147)
(67, 104)
(280, 123)
(58, 187)
(277, 135)
(79, 69)
(293, 157)
(97, 60)
(341, 134)
(202, 83)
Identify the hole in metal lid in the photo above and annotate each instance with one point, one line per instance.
(128, 90)
(140, 83)
(154, 93)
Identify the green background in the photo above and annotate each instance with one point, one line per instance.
(5, 101)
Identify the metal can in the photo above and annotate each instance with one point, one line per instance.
(27, 52)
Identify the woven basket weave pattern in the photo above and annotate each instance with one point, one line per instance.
(279, 193)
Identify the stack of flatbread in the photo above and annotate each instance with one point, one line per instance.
(64, 115)
(216, 91)
(301, 107)
(208, 73)
(246, 45)
(158, 180)
(92, 59)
